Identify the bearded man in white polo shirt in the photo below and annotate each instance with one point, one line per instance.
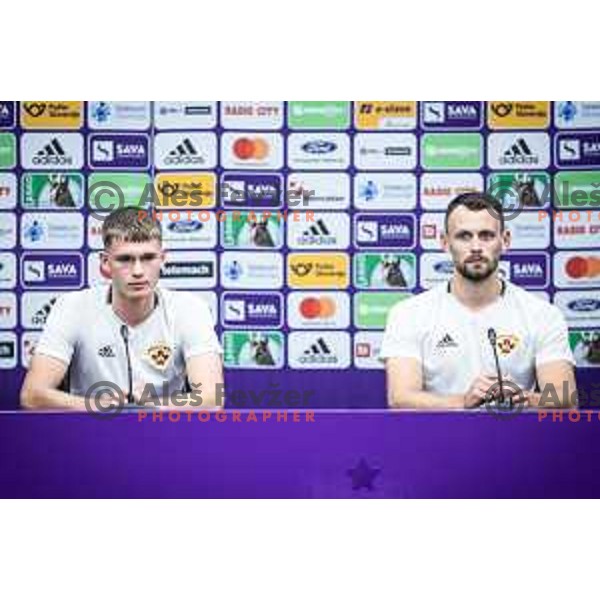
(439, 346)
(153, 346)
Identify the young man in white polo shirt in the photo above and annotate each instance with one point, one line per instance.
(133, 334)
(439, 346)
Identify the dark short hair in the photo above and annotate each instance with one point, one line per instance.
(130, 225)
(477, 201)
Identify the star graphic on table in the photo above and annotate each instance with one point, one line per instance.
(363, 476)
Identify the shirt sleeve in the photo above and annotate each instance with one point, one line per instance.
(198, 327)
(552, 341)
(60, 333)
(401, 338)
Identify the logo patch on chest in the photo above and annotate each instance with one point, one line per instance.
(445, 345)
(507, 344)
(159, 355)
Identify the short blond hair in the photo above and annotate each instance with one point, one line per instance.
(130, 225)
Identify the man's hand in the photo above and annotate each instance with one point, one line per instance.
(514, 393)
(486, 388)
(106, 402)
(480, 390)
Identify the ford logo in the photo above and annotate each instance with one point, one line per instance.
(584, 305)
(185, 227)
(446, 267)
(319, 147)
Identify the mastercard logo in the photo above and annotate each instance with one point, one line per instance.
(581, 267)
(251, 149)
(317, 308)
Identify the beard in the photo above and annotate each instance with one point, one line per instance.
(477, 275)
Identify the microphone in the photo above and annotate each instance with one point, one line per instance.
(125, 336)
(493, 338)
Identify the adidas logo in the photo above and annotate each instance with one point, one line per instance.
(184, 154)
(446, 342)
(318, 234)
(42, 314)
(319, 353)
(519, 154)
(52, 154)
(107, 352)
(319, 228)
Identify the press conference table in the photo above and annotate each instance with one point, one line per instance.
(335, 454)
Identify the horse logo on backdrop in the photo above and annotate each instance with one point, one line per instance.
(159, 355)
(261, 353)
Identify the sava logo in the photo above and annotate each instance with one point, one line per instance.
(463, 111)
(252, 310)
(569, 150)
(440, 115)
(579, 150)
(528, 270)
(383, 231)
(62, 271)
(319, 147)
(65, 270)
(119, 151)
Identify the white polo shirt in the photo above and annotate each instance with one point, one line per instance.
(83, 331)
(452, 342)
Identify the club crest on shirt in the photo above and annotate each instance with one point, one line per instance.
(159, 355)
(507, 344)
